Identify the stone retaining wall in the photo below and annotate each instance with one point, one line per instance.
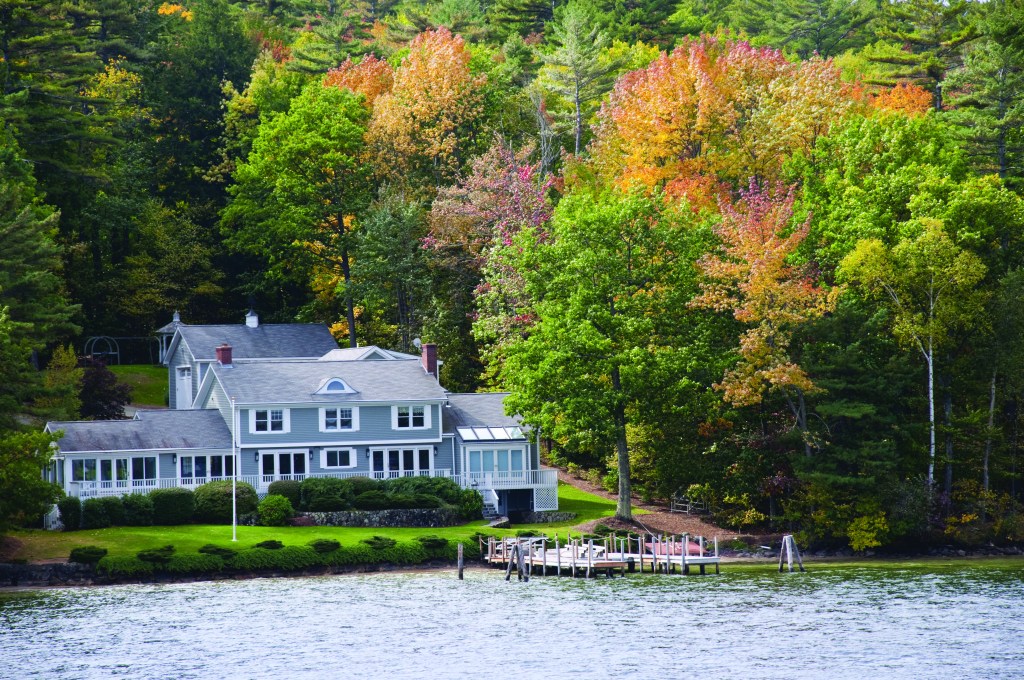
(541, 517)
(433, 517)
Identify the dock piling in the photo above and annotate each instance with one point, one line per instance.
(462, 562)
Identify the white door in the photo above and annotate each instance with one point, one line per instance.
(183, 388)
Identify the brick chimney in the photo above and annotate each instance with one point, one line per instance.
(224, 354)
(428, 357)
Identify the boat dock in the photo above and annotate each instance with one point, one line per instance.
(545, 556)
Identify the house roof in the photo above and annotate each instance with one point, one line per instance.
(290, 382)
(150, 430)
(266, 341)
(481, 416)
(367, 353)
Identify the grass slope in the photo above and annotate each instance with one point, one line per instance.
(149, 383)
(37, 545)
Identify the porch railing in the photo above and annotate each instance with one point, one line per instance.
(512, 479)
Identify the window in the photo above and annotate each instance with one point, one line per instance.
(338, 419)
(83, 470)
(283, 464)
(114, 472)
(144, 468)
(335, 386)
(410, 417)
(338, 458)
(269, 420)
(201, 467)
(412, 462)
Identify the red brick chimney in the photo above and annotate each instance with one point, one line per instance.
(428, 358)
(224, 354)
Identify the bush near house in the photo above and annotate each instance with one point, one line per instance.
(70, 508)
(289, 488)
(172, 506)
(114, 507)
(138, 510)
(212, 501)
(94, 514)
(275, 511)
(325, 494)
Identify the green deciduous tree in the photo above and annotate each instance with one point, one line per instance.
(24, 494)
(929, 284)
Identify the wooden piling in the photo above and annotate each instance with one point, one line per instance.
(558, 556)
(462, 563)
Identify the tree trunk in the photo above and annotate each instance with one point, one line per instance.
(988, 434)
(624, 508)
(947, 421)
(350, 312)
(579, 121)
(930, 359)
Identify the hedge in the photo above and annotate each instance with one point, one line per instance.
(325, 494)
(124, 567)
(138, 510)
(213, 501)
(172, 506)
(288, 558)
(70, 508)
(94, 514)
(193, 564)
(87, 554)
(114, 507)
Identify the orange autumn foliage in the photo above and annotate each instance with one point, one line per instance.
(751, 277)
(906, 98)
(716, 111)
(423, 124)
(371, 77)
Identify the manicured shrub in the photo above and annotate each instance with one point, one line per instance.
(124, 567)
(172, 506)
(372, 500)
(324, 545)
(193, 564)
(289, 488)
(156, 555)
(379, 542)
(325, 494)
(270, 545)
(223, 553)
(70, 508)
(433, 543)
(138, 510)
(289, 558)
(439, 487)
(275, 511)
(114, 507)
(360, 485)
(87, 554)
(213, 501)
(471, 504)
(94, 514)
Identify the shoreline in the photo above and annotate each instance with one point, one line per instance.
(84, 576)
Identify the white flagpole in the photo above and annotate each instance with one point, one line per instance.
(234, 476)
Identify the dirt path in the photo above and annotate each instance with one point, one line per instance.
(659, 521)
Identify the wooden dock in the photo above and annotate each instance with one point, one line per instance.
(546, 556)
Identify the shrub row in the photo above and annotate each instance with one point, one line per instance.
(209, 503)
(318, 553)
(328, 494)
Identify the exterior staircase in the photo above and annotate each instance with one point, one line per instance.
(490, 505)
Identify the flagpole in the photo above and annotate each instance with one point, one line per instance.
(234, 476)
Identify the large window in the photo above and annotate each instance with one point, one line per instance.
(496, 460)
(339, 419)
(114, 472)
(410, 462)
(201, 467)
(269, 420)
(282, 463)
(410, 417)
(338, 458)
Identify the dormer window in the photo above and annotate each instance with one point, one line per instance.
(335, 386)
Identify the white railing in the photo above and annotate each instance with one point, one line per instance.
(510, 479)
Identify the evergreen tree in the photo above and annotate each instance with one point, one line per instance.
(807, 27)
(521, 16)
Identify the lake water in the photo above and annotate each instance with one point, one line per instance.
(750, 622)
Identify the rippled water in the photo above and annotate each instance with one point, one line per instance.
(750, 623)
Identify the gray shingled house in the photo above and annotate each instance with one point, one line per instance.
(290, 405)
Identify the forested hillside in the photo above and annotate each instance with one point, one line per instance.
(767, 254)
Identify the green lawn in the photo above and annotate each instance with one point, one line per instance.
(48, 545)
(149, 383)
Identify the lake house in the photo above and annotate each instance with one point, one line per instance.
(291, 405)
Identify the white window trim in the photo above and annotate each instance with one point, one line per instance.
(417, 448)
(287, 421)
(355, 419)
(428, 410)
(352, 456)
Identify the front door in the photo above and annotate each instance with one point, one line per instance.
(183, 388)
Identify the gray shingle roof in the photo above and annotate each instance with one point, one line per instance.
(486, 409)
(366, 353)
(171, 430)
(266, 341)
(289, 382)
